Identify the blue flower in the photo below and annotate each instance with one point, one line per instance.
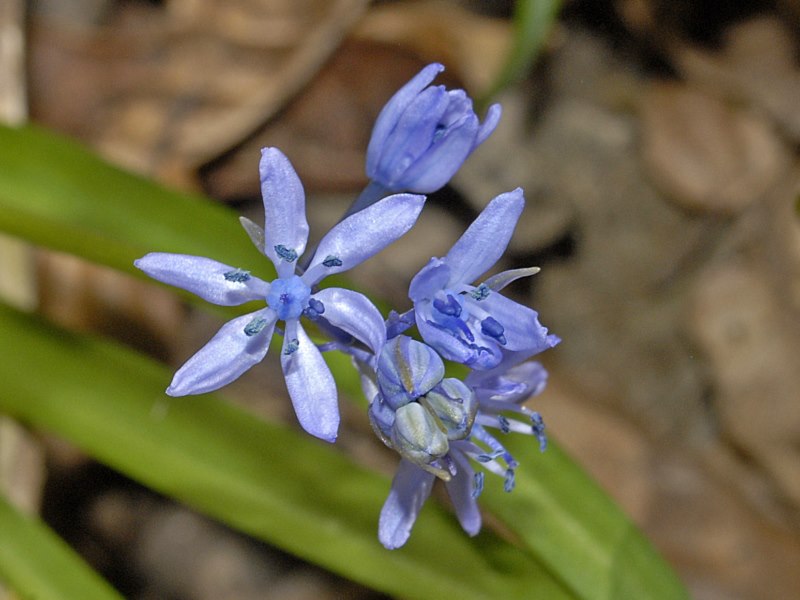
(439, 426)
(477, 326)
(244, 341)
(424, 134)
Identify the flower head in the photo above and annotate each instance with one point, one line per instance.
(424, 134)
(243, 341)
(440, 427)
(473, 325)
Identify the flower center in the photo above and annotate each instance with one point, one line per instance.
(288, 297)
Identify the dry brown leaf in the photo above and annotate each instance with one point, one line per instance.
(177, 86)
(704, 154)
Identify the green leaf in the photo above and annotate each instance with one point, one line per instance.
(39, 565)
(273, 483)
(56, 193)
(533, 20)
(566, 520)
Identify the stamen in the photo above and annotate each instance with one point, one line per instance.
(314, 309)
(255, 326)
(291, 347)
(481, 292)
(477, 484)
(491, 327)
(287, 254)
(332, 261)
(505, 426)
(508, 484)
(537, 427)
(449, 307)
(237, 276)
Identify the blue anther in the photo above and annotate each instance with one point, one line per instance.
(237, 276)
(255, 326)
(449, 307)
(537, 427)
(477, 484)
(505, 426)
(491, 327)
(332, 261)
(291, 347)
(287, 254)
(314, 309)
(508, 484)
(481, 292)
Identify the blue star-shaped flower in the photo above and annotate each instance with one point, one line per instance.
(244, 341)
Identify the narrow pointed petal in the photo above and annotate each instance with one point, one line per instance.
(411, 137)
(484, 242)
(254, 232)
(394, 108)
(311, 388)
(363, 235)
(433, 170)
(213, 281)
(355, 314)
(411, 487)
(522, 329)
(225, 357)
(501, 280)
(489, 124)
(285, 221)
(460, 489)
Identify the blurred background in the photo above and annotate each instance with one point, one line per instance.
(657, 143)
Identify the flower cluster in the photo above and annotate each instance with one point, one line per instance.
(442, 427)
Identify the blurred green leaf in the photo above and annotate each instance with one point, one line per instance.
(56, 193)
(273, 483)
(533, 20)
(37, 564)
(566, 520)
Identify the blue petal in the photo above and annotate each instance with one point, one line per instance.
(484, 242)
(431, 278)
(410, 489)
(460, 489)
(445, 344)
(412, 136)
(225, 357)
(355, 314)
(438, 165)
(489, 124)
(285, 221)
(311, 388)
(393, 110)
(363, 235)
(522, 329)
(204, 277)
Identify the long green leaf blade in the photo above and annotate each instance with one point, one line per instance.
(37, 564)
(266, 480)
(56, 193)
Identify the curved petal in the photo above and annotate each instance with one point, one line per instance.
(285, 221)
(460, 489)
(438, 165)
(355, 314)
(225, 357)
(204, 277)
(411, 487)
(363, 235)
(431, 278)
(394, 108)
(522, 329)
(311, 388)
(485, 240)
(411, 137)
(489, 124)
(444, 343)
